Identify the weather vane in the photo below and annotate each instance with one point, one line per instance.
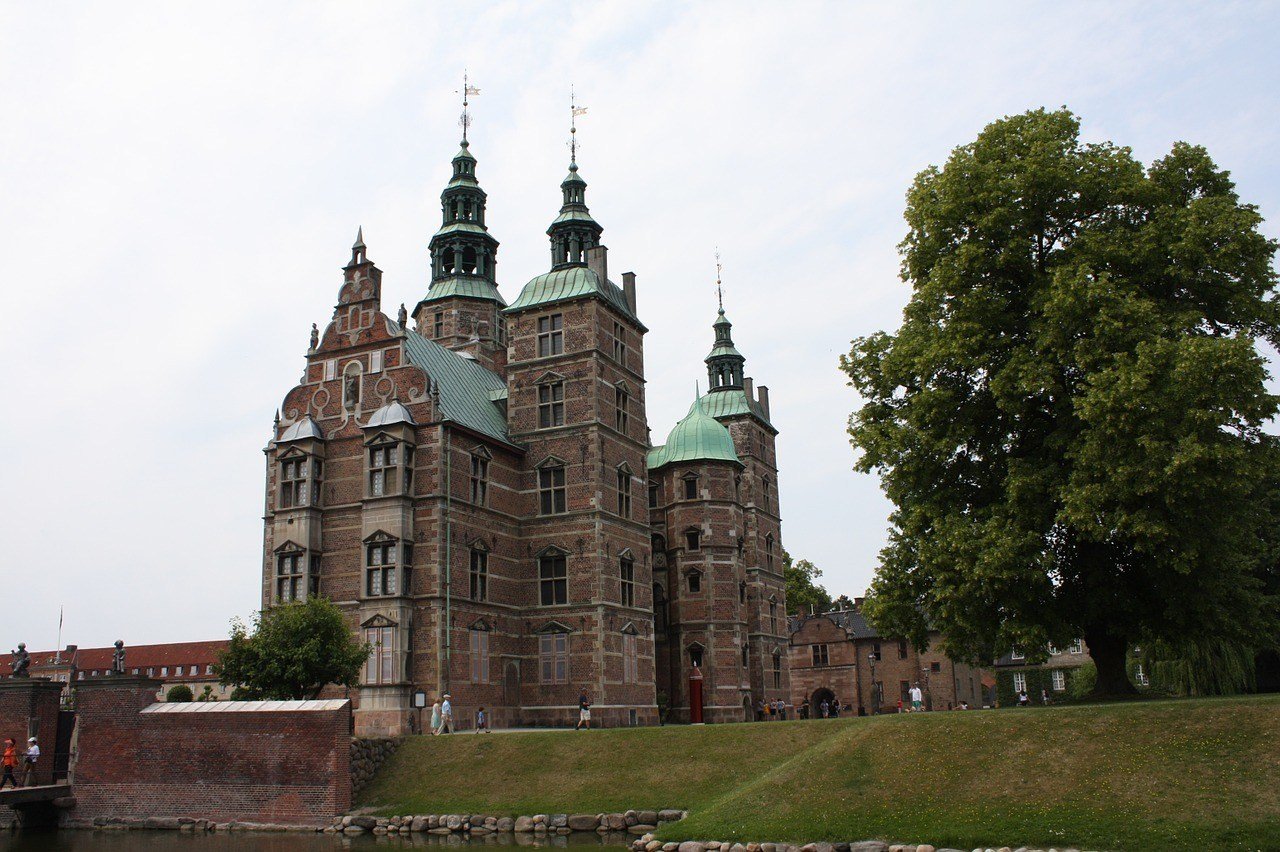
(467, 91)
(719, 292)
(574, 112)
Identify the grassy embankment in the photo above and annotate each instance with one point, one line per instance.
(1143, 775)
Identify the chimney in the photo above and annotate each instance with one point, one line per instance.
(764, 400)
(748, 388)
(629, 289)
(598, 262)
(857, 604)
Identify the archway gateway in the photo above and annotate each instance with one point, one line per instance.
(820, 695)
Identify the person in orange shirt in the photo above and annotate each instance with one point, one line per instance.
(9, 762)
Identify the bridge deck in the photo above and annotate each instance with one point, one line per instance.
(29, 795)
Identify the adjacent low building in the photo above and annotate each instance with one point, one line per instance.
(840, 656)
(173, 663)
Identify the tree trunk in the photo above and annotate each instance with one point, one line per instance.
(1110, 656)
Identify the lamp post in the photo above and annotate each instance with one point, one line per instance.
(875, 686)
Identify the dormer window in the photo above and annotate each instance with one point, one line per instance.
(550, 335)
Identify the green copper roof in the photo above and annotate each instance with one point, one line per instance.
(574, 216)
(698, 437)
(723, 350)
(732, 402)
(460, 228)
(465, 386)
(467, 286)
(573, 282)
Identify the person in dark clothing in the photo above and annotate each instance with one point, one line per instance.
(584, 712)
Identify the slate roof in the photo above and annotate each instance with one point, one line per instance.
(467, 389)
(572, 282)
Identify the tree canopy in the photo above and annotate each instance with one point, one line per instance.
(804, 594)
(295, 650)
(1069, 419)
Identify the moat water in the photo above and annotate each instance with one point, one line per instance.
(244, 841)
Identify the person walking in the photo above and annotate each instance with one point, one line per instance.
(435, 718)
(825, 708)
(584, 712)
(30, 760)
(835, 708)
(446, 715)
(9, 762)
(917, 698)
(1023, 701)
(804, 709)
(482, 721)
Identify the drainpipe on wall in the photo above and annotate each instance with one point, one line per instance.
(448, 555)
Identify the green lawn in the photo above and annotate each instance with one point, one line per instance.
(1140, 775)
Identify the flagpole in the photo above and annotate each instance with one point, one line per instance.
(57, 656)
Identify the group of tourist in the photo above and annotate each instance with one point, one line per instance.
(10, 762)
(442, 717)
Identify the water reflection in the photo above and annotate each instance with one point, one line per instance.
(244, 841)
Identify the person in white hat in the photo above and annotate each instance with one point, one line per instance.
(29, 762)
(446, 715)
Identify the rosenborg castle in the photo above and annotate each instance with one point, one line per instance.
(475, 487)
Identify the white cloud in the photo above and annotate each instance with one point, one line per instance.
(181, 185)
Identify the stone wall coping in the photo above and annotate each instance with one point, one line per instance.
(118, 681)
(17, 683)
(313, 706)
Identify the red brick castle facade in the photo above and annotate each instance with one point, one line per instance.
(478, 492)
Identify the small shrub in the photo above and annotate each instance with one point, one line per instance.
(179, 693)
(1082, 681)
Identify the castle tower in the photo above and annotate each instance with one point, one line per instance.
(462, 308)
(575, 381)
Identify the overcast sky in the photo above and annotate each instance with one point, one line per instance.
(180, 184)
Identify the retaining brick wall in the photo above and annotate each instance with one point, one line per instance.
(273, 761)
(29, 708)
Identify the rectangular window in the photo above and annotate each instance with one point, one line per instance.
(624, 493)
(620, 343)
(627, 575)
(621, 402)
(295, 482)
(550, 335)
(380, 569)
(655, 489)
(1076, 647)
(1059, 679)
(1139, 676)
(692, 540)
(164, 671)
(902, 649)
(1019, 681)
(935, 668)
(380, 667)
(551, 490)
(439, 325)
(768, 551)
(551, 405)
(904, 692)
(479, 480)
(289, 580)
(691, 488)
(553, 579)
(695, 582)
(375, 361)
(553, 657)
(773, 616)
(630, 659)
(479, 656)
(821, 655)
(330, 370)
(875, 651)
(207, 670)
(777, 671)
(479, 575)
(382, 470)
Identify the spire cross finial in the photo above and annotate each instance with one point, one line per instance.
(467, 90)
(574, 112)
(719, 291)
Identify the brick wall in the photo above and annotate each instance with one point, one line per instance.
(276, 762)
(29, 708)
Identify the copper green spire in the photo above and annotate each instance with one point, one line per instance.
(574, 230)
(725, 363)
(463, 252)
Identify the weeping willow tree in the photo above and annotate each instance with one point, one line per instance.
(1208, 666)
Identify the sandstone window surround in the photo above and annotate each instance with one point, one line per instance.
(627, 578)
(655, 493)
(620, 343)
(623, 477)
(300, 479)
(293, 580)
(694, 579)
(479, 644)
(550, 405)
(553, 577)
(692, 539)
(390, 468)
(690, 486)
(552, 494)
(777, 670)
(480, 476)
(621, 404)
(479, 572)
(553, 655)
(550, 335)
(821, 655)
(437, 327)
(388, 566)
(773, 614)
(768, 551)
(380, 668)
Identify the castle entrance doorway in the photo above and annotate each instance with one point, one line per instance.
(815, 702)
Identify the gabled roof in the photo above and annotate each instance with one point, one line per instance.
(466, 388)
(572, 282)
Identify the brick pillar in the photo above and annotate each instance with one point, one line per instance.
(29, 708)
(106, 721)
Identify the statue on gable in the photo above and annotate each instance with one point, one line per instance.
(315, 336)
(21, 661)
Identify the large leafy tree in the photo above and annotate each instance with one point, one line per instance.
(293, 652)
(1068, 422)
(804, 593)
